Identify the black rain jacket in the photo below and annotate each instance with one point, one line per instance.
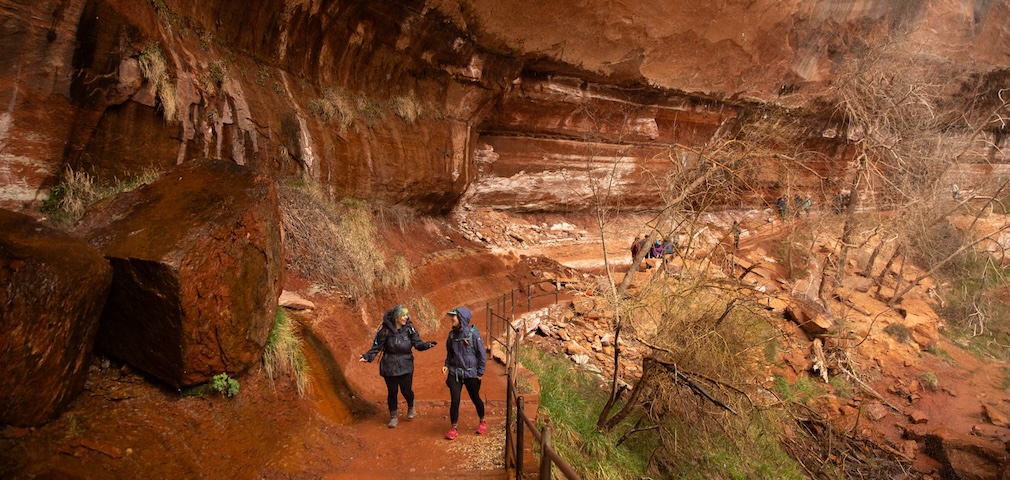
(396, 345)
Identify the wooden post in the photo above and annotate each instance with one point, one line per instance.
(510, 391)
(545, 446)
(519, 438)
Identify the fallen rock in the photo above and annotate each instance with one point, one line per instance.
(964, 456)
(293, 301)
(810, 315)
(53, 290)
(197, 261)
(994, 416)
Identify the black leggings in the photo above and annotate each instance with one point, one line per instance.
(405, 384)
(456, 388)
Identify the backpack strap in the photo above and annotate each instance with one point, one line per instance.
(473, 344)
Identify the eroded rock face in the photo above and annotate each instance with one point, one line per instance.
(416, 102)
(198, 270)
(52, 290)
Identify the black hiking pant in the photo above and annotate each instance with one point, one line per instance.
(403, 382)
(456, 388)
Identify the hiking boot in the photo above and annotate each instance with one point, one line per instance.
(393, 420)
(452, 434)
(482, 427)
(411, 413)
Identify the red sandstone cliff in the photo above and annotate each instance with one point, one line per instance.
(415, 102)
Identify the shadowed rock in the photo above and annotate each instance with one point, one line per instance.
(198, 269)
(52, 289)
(810, 315)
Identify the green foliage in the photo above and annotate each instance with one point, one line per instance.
(752, 454)
(841, 385)
(936, 350)
(218, 70)
(224, 385)
(283, 354)
(571, 398)
(803, 390)
(262, 75)
(973, 286)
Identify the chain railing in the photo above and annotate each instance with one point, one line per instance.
(500, 323)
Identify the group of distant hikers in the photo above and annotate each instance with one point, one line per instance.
(656, 250)
(799, 205)
(465, 363)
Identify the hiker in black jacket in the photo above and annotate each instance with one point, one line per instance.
(395, 340)
(465, 361)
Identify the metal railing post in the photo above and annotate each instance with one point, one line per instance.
(545, 446)
(529, 297)
(519, 438)
(509, 359)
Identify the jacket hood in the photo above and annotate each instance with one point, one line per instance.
(389, 318)
(464, 315)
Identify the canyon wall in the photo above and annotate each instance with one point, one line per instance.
(505, 104)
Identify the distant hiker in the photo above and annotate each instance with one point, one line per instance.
(954, 191)
(780, 205)
(465, 361)
(797, 205)
(806, 206)
(395, 340)
(840, 203)
(657, 250)
(668, 248)
(636, 246)
(736, 234)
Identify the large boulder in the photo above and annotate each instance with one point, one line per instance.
(52, 290)
(197, 257)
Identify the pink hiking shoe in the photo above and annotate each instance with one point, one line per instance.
(452, 434)
(482, 427)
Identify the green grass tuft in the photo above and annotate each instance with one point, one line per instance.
(283, 354)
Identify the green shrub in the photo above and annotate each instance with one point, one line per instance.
(225, 385)
(572, 399)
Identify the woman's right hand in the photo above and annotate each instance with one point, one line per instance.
(445, 370)
(362, 359)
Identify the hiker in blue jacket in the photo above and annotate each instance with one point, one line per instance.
(464, 366)
(395, 340)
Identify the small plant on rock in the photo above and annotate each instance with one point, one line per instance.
(225, 385)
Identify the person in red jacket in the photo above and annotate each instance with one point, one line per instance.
(465, 361)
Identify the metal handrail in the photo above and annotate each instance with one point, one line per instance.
(514, 440)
